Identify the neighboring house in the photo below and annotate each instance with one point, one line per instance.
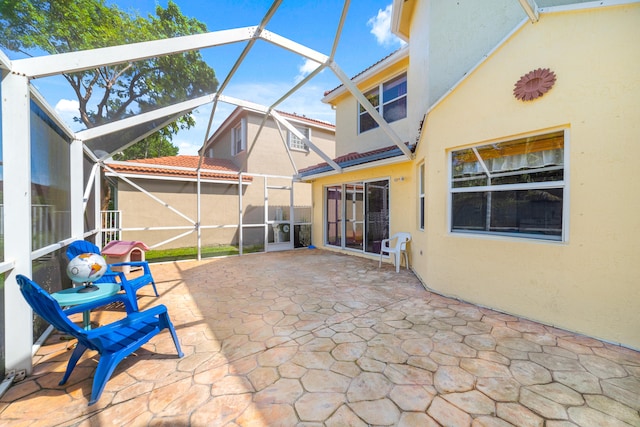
(519, 191)
(268, 195)
(234, 141)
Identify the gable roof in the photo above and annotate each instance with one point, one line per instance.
(356, 159)
(241, 111)
(180, 167)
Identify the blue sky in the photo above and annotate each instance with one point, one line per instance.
(269, 71)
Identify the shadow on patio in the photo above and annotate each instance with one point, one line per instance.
(314, 338)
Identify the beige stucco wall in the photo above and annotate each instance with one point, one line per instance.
(589, 283)
(348, 139)
(219, 206)
(448, 38)
(269, 155)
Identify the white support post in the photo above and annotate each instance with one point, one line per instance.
(240, 212)
(97, 203)
(16, 156)
(76, 178)
(266, 213)
(292, 220)
(198, 217)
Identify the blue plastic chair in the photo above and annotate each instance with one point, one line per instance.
(113, 342)
(128, 285)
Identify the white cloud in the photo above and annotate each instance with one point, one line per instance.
(381, 28)
(67, 109)
(68, 106)
(305, 69)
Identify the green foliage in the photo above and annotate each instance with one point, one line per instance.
(113, 92)
(152, 146)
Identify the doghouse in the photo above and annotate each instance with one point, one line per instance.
(118, 251)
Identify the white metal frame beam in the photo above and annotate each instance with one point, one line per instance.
(16, 153)
(386, 128)
(306, 140)
(50, 65)
(531, 9)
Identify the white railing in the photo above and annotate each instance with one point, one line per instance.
(111, 225)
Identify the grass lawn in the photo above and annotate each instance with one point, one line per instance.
(161, 255)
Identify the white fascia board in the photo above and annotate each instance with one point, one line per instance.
(49, 65)
(385, 63)
(294, 47)
(171, 110)
(396, 18)
(5, 62)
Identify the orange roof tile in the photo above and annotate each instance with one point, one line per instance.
(145, 167)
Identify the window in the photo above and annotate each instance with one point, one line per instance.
(511, 188)
(296, 143)
(394, 103)
(421, 199)
(357, 215)
(238, 138)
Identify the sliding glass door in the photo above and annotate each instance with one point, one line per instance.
(354, 215)
(333, 203)
(377, 208)
(357, 215)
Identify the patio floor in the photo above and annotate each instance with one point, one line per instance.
(315, 338)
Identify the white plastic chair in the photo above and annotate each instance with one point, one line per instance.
(399, 248)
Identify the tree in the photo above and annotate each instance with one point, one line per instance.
(114, 92)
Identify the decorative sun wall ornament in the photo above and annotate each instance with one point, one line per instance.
(534, 84)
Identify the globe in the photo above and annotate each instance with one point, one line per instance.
(86, 269)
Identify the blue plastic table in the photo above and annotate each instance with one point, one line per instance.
(71, 296)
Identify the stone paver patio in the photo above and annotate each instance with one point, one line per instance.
(314, 338)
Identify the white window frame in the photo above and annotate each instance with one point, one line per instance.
(239, 138)
(560, 184)
(296, 143)
(379, 90)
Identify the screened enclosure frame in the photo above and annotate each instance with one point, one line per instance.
(89, 145)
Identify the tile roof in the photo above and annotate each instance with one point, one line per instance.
(355, 158)
(145, 167)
